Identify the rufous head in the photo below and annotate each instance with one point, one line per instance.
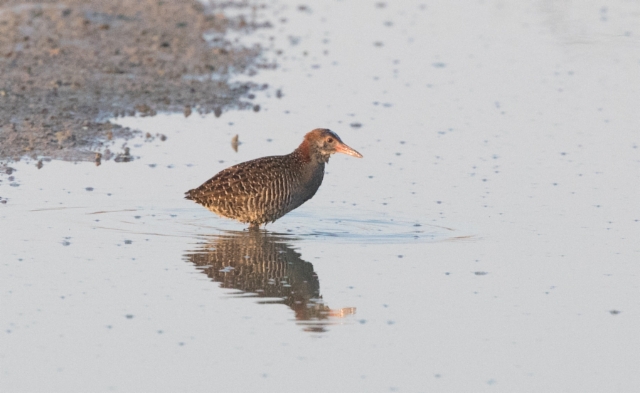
(324, 142)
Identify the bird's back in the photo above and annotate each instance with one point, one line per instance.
(261, 190)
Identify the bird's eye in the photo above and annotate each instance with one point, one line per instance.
(329, 140)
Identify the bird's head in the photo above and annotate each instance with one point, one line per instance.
(323, 143)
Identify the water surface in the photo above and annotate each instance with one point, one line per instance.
(485, 242)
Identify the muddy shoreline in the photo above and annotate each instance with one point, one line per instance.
(67, 67)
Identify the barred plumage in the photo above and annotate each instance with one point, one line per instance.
(263, 190)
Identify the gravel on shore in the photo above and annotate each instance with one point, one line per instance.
(68, 66)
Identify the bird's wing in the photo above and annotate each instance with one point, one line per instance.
(244, 180)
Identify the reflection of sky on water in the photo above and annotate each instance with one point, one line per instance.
(509, 128)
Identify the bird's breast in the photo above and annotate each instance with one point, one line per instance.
(310, 180)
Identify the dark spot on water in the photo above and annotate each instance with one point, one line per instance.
(480, 273)
(356, 125)
(129, 316)
(362, 321)
(89, 188)
(603, 14)
(128, 242)
(400, 256)
(439, 65)
(615, 312)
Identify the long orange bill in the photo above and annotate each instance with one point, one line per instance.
(342, 148)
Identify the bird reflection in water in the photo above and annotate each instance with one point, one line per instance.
(264, 265)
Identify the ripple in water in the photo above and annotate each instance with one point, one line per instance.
(372, 227)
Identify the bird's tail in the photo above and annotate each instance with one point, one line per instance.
(187, 195)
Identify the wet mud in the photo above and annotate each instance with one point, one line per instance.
(67, 67)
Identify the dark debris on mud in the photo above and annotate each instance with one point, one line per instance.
(66, 67)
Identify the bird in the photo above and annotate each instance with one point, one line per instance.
(263, 190)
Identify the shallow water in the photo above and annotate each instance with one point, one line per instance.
(487, 241)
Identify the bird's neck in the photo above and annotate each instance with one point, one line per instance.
(310, 155)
